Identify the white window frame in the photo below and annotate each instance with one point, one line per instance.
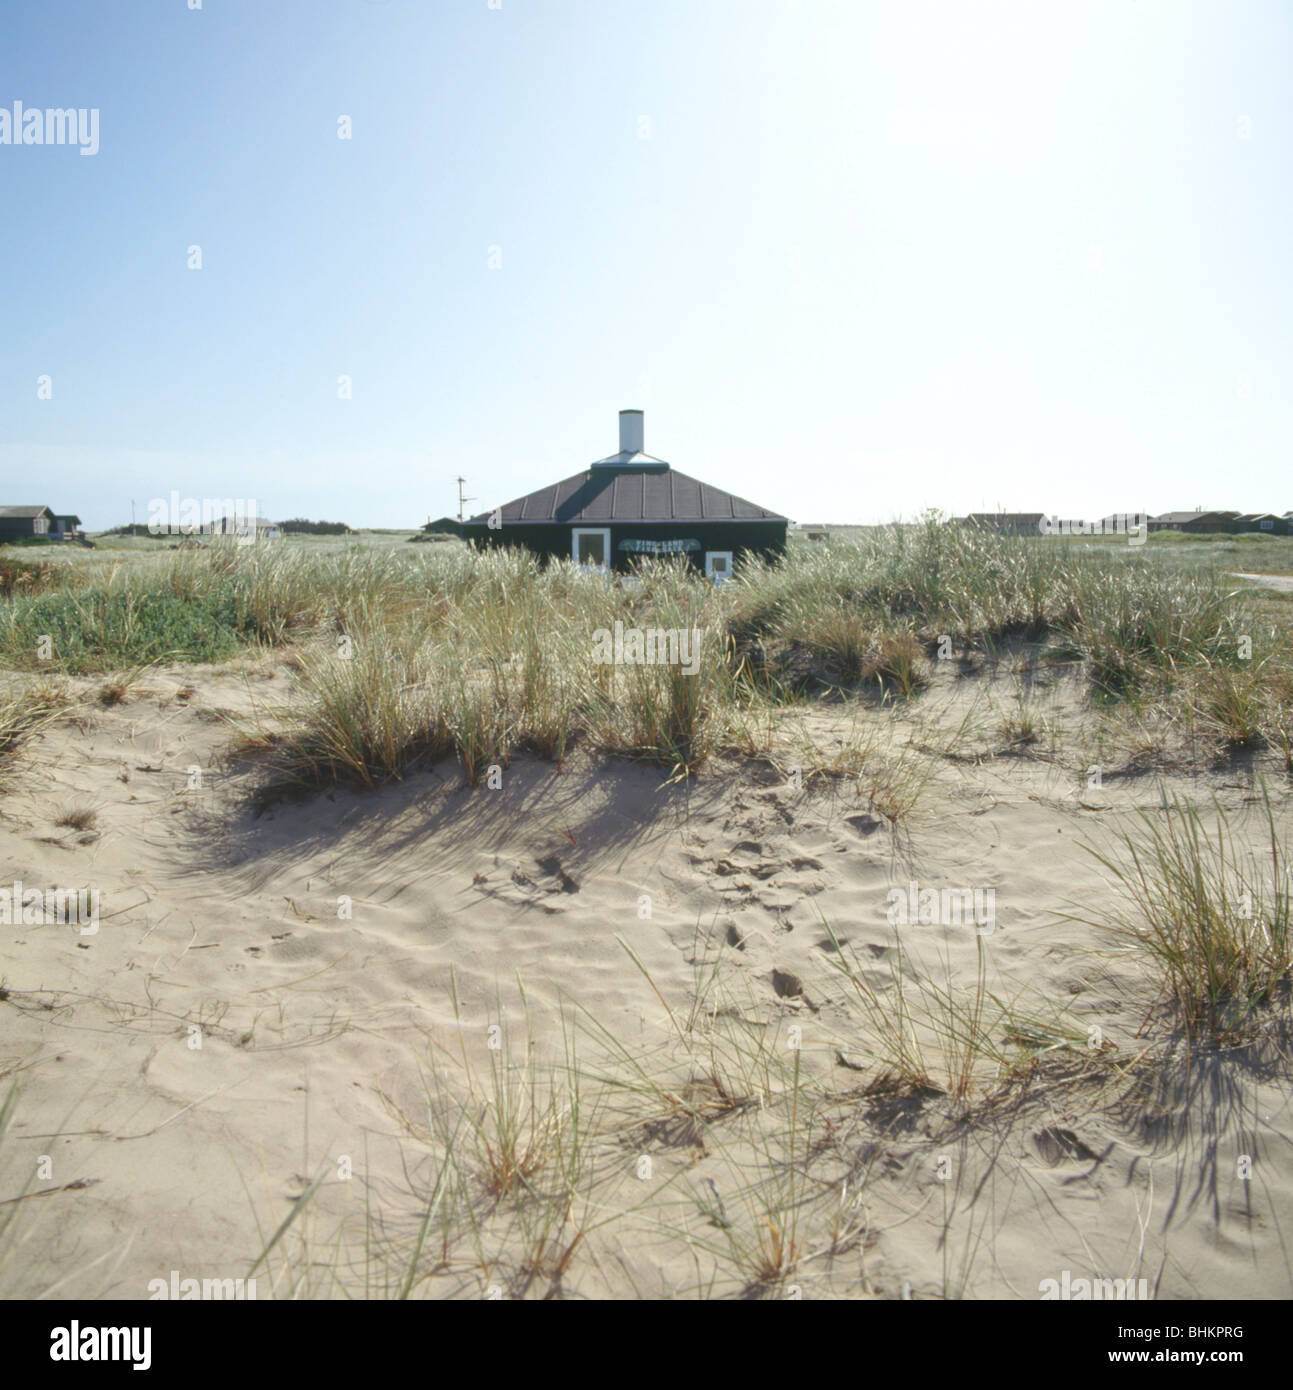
(605, 533)
(712, 555)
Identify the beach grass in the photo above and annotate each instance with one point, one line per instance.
(1209, 914)
(410, 656)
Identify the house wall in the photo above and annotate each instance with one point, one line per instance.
(14, 526)
(1206, 525)
(740, 537)
(1008, 525)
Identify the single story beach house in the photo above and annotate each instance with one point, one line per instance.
(20, 523)
(1197, 522)
(632, 505)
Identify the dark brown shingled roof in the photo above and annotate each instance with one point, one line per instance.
(602, 495)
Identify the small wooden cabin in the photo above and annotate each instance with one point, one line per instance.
(632, 505)
(17, 523)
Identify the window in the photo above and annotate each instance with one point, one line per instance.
(718, 565)
(591, 547)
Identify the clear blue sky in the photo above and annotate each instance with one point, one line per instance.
(870, 258)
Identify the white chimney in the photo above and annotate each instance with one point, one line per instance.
(631, 432)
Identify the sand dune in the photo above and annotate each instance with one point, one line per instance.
(311, 949)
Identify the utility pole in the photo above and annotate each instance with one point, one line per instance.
(132, 516)
(461, 498)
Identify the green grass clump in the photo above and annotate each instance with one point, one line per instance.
(91, 630)
(1211, 917)
(1126, 613)
(366, 717)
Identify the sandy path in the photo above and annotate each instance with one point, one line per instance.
(1282, 582)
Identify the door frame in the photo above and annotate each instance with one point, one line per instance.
(604, 532)
(711, 555)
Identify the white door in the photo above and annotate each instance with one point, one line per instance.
(718, 565)
(591, 547)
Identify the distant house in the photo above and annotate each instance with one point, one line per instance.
(631, 505)
(1008, 523)
(17, 523)
(1197, 522)
(233, 525)
(1261, 522)
(443, 526)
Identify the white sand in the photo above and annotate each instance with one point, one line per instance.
(318, 1033)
